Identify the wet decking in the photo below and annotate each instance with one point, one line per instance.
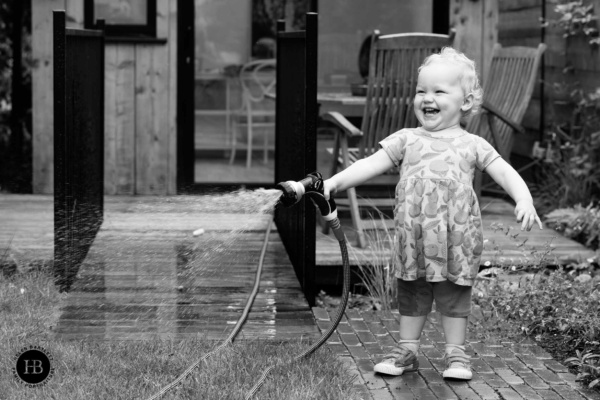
(147, 276)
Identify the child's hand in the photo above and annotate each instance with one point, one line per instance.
(329, 188)
(526, 214)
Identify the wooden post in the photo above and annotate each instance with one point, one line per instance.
(475, 22)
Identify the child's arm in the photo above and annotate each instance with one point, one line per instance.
(359, 172)
(515, 186)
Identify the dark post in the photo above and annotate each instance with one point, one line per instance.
(61, 222)
(185, 94)
(78, 144)
(311, 111)
(295, 140)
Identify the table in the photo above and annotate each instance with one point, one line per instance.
(342, 102)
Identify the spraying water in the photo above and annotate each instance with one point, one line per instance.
(157, 260)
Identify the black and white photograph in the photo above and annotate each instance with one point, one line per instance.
(300, 199)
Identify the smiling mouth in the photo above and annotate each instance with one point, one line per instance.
(430, 111)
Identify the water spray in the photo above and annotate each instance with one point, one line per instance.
(311, 187)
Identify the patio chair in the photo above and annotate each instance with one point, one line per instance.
(257, 80)
(507, 91)
(391, 86)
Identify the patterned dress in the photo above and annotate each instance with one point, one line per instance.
(437, 217)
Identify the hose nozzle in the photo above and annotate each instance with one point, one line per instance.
(312, 186)
(294, 191)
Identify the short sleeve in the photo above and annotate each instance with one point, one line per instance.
(485, 153)
(395, 146)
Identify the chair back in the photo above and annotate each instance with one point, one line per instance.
(508, 88)
(257, 79)
(393, 64)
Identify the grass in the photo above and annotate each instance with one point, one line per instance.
(30, 308)
(377, 275)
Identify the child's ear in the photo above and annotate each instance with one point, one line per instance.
(467, 102)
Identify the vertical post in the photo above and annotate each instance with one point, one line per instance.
(441, 17)
(17, 113)
(185, 94)
(280, 26)
(542, 125)
(60, 183)
(311, 149)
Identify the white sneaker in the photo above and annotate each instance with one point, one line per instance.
(399, 361)
(458, 365)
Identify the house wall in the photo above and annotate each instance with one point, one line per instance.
(140, 104)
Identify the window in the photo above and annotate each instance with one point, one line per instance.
(126, 18)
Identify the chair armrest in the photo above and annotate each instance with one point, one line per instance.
(341, 122)
(493, 110)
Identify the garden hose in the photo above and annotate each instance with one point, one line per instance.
(337, 230)
(237, 327)
(312, 187)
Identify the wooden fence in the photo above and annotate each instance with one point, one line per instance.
(78, 145)
(296, 144)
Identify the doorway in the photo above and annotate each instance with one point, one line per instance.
(217, 37)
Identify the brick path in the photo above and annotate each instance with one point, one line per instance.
(501, 370)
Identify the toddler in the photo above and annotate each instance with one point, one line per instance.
(438, 231)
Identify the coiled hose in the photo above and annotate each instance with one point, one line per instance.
(335, 226)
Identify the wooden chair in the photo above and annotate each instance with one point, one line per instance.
(257, 80)
(507, 91)
(391, 86)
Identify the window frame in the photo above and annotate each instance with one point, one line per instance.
(147, 30)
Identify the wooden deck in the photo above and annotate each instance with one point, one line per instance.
(146, 275)
(494, 210)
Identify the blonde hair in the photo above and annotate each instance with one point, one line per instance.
(468, 78)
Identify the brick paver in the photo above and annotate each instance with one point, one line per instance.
(501, 370)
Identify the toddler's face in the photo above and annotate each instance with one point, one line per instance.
(440, 99)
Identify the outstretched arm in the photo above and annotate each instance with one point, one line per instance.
(515, 186)
(358, 173)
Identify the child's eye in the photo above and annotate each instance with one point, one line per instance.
(440, 91)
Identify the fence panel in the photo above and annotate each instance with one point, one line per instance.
(295, 144)
(78, 145)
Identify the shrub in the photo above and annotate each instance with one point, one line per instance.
(578, 223)
(589, 367)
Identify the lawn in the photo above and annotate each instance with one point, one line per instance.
(29, 310)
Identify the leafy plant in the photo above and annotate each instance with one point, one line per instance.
(578, 223)
(571, 169)
(570, 172)
(589, 367)
(577, 18)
